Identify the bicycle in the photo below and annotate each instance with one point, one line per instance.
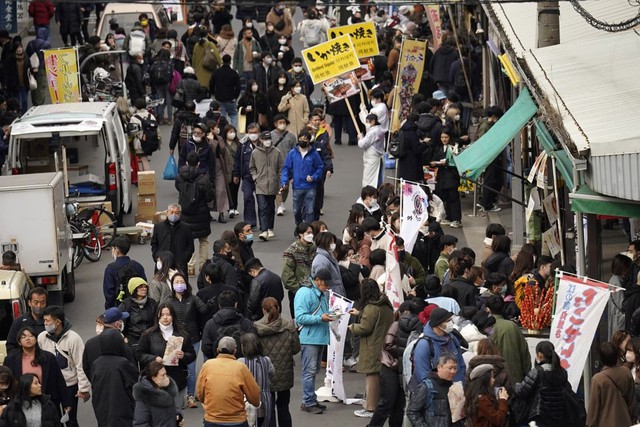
(93, 230)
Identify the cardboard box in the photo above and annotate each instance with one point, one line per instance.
(147, 182)
(147, 205)
(39, 165)
(160, 216)
(76, 170)
(144, 218)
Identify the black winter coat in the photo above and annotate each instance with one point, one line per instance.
(154, 406)
(10, 70)
(186, 118)
(135, 81)
(112, 380)
(410, 166)
(224, 85)
(427, 251)
(462, 290)
(631, 303)
(209, 295)
(14, 417)
(265, 284)
(140, 318)
(407, 324)
(438, 414)
(241, 161)
(93, 350)
(195, 214)
(152, 344)
(187, 312)
(69, 17)
(266, 78)
(206, 157)
(175, 238)
(258, 103)
(441, 62)
(499, 262)
(52, 381)
(229, 273)
(545, 387)
(225, 317)
(351, 280)
(448, 176)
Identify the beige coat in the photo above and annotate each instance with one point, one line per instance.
(288, 22)
(297, 108)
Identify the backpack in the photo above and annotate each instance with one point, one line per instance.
(431, 392)
(137, 43)
(458, 79)
(410, 381)
(311, 32)
(188, 197)
(185, 131)
(161, 72)
(397, 147)
(150, 140)
(125, 273)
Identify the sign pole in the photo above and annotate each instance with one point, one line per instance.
(353, 117)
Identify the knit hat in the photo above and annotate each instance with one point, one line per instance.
(439, 316)
(189, 70)
(480, 370)
(135, 283)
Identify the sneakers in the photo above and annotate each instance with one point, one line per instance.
(315, 409)
(271, 234)
(191, 402)
(455, 224)
(445, 222)
(232, 213)
(321, 406)
(263, 236)
(495, 208)
(363, 413)
(280, 210)
(350, 362)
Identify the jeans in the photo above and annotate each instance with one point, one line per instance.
(391, 402)
(248, 191)
(230, 109)
(163, 92)
(266, 211)
(310, 358)
(191, 378)
(244, 79)
(210, 424)
(303, 202)
(281, 399)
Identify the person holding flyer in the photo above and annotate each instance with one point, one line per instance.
(373, 145)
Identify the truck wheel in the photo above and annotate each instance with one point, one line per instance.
(68, 286)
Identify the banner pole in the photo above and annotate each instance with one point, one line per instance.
(362, 88)
(353, 117)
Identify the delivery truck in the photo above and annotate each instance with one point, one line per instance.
(34, 225)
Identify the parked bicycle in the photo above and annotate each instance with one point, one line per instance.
(92, 231)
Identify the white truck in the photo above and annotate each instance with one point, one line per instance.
(34, 225)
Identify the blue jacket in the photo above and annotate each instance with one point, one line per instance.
(298, 168)
(441, 345)
(241, 161)
(314, 330)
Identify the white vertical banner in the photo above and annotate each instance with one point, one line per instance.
(393, 283)
(338, 335)
(579, 306)
(414, 213)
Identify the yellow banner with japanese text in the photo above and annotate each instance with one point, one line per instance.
(412, 57)
(330, 59)
(363, 36)
(63, 77)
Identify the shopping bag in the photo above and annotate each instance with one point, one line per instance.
(171, 169)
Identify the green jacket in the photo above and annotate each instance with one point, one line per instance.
(442, 264)
(238, 56)
(296, 270)
(415, 269)
(373, 324)
(513, 347)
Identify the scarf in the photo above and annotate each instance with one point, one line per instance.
(167, 331)
(248, 45)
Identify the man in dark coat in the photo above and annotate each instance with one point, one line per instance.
(214, 287)
(224, 86)
(69, 17)
(183, 125)
(174, 236)
(112, 378)
(441, 62)
(223, 259)
(37, 301)
(265, 284)
(462, 289)
(135, 78)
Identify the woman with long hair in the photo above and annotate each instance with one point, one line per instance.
(31, 359)
(8, 387)
(621, 267)
(277, 91)
(373, 321)
(30, 407)
(153, 343)
(487, 352)
(253, 105)
(500, 260)
(448, 180)
(160, 284)
(620, 339)
(633, 362)
(155, 395)
(162, 65)
(523, 264)
(356, 216)
(262, 370)
(230, 136)
(481, 406)
(325, 258)
(280, 342)
(187, 308)
(543, 385)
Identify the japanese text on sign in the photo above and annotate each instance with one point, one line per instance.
(63, 78)
(363, 36)
(330, 59)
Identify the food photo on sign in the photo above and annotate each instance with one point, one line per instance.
(341, 87)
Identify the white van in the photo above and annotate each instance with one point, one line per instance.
(86, 137)
(126, 14)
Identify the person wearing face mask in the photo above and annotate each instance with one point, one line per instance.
(372, 144)
(461, 288)
(175, 236)
(241, 171)
(480, 327)
(135, 77)
(244, 57)
(280, 17)
(284, 53)
(253, 105)
(296, 105)
(154, 395)
(320, 143)
(266, 72)
(230, 137)
(369, 199)
(265, 167)
(439, 332)
(297, 74)
(160, 284)
(378, 107)
(274, 96)
(37, 301)
(59, 338)
(305, 168)
(413, 269)
(493, 176)
(198, 143)
(269, 40)
(141, 309)
(298, 258)
(326, 259)
(188, 308)
(453, 123)
(120, 247)
(223, 164)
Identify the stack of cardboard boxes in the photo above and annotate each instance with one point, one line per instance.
(147, 203)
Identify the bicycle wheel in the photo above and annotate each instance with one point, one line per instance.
(104, 221)
(92, 246)
(78, 251)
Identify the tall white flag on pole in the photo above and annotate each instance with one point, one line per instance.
(414, 213)
(393, 283)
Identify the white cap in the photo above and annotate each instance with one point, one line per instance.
(189, 70)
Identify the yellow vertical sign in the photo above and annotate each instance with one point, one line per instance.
(363, 36)
(330, 59)
(63, 77)
(410, 67)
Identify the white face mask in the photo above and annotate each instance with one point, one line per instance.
(630, 356)
(297, 89)
(249, 24)
(282, 81)
(332, 247)
(197, 138)
(253, 136)
(267, 143)
(268, 61)
(282, 41)
(374, 201)
(270, 28)
(308, 237)
(374, 102)
(456, 117)
(297, 69)
(254, 88)
(282, 126)
(448, 327)
(231, 136)
(158, 265)
(367, 126)
(99, 329)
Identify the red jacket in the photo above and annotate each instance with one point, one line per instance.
(41, 11)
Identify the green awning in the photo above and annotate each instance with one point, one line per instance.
(563, 162)
(586, 200)
(475, 159)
